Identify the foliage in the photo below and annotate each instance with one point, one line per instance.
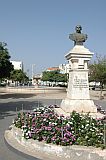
(18, 75)
(54, 76)
(98, 71)
(5, 65)
(44, 124)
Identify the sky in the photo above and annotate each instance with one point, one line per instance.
(37, 31)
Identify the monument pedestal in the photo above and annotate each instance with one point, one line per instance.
(78, 97)
(80, 106)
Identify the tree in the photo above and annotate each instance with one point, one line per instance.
(54, 76)
(98, 72)
(5, 65)
(18, 76)
(45, 76)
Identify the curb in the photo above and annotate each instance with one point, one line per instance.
(13, 149)
(51, 152)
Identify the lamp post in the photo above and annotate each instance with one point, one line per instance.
(28, 73)
(32, 72)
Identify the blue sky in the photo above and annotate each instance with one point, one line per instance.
(36, 31)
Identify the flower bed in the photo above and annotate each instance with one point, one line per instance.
(43, 124)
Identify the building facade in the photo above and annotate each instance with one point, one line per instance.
(17, 65)
(63, 68)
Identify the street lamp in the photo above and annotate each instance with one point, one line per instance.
(28, 73)
(32, 72)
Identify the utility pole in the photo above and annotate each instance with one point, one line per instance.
(33, 72)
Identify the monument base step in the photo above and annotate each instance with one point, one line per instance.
(60, 112)
(69, 105)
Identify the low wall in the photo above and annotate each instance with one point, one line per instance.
(14, 138)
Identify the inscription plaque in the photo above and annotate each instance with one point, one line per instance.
(80, 83)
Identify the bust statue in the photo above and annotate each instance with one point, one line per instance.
(78, 37)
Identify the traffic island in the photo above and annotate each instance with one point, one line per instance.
(41, 150)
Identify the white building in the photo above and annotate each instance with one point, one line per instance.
(64, 68)
(17, 65)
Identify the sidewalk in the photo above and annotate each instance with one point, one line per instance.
(95, 94)
(44, 94)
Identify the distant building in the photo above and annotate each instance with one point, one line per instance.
(64, 68)
(17, 65)
(36, 79)
(53, 69)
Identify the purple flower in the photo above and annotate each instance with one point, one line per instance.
(49, 128)
(53, 138)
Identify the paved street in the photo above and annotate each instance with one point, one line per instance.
(9, 104)
(8, 107)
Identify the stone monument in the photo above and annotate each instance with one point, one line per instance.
(78, 97)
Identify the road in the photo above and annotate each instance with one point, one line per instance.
(9, 105)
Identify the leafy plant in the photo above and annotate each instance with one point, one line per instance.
(44, 124)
